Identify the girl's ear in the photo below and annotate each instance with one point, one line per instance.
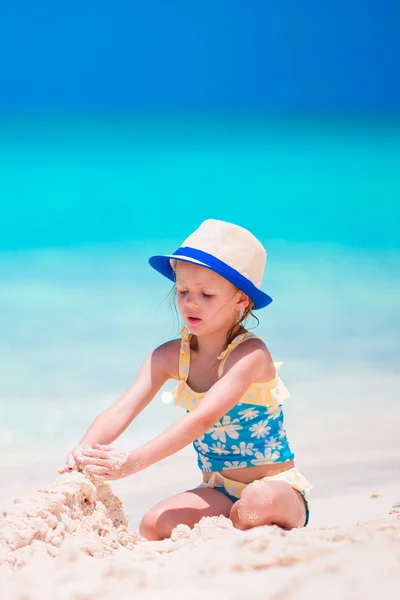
(242, 302)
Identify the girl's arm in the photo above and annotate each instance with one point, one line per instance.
(113, 421)
(247, 363)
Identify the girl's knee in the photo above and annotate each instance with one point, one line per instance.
(258, 505)
(147, 527)
(264, 495)
(154, 526)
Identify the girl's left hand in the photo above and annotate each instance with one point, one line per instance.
(105, 463)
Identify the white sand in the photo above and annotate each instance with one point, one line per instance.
(70, 541)
(75, 510)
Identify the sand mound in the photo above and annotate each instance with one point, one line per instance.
(56, 536)
(74, 509)
(214, 559)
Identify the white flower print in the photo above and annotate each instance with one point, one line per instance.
(260, 429)
(273, 443)
(243, 449)
(282, 432)
(219, 430)
(267, 457)
(219, 448)
(205, 463)
(201, 444)
(274, 411)
(235, 464)
(249, 413)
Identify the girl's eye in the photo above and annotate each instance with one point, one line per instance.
(184, 292)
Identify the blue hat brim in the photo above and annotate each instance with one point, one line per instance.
(161, 263)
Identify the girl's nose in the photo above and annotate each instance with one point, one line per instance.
(191, 299)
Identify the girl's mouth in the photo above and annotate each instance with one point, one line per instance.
(194, 320)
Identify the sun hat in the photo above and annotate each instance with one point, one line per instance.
(229, 250)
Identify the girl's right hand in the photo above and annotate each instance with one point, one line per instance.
(72, 459)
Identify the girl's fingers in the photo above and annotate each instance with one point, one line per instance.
(65, 468)
(94, 460)
(96, 453)
(103, 447)
(98, 470)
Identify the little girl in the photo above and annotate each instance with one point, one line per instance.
(229, 387)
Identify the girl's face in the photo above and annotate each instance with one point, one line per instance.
(207, 302)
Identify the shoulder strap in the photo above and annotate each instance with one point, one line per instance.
(184, 354)
(234, 344)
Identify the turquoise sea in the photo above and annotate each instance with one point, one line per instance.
(85, 202)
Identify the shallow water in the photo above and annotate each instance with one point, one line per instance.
(86, 203)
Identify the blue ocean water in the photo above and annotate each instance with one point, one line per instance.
(74, 181)
(86, 202)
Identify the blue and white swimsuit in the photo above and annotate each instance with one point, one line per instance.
(251, 433)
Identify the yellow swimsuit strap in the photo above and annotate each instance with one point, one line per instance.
(223, 357)
(184, 354)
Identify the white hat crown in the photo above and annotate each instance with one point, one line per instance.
(229, 250)
(233, 245)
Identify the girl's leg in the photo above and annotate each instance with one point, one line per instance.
(269, 503)
(187, 508)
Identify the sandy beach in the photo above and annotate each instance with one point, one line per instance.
(70, 539)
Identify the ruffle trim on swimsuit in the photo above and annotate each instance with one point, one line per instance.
(270, 394)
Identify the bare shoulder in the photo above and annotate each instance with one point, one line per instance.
(166, 357)
(253, 351)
